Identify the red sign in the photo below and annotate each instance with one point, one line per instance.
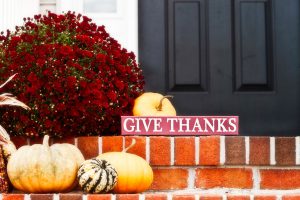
(180, 125)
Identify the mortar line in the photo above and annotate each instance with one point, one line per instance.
(256, 178)
(197, 150)
(27, 197)
(297, 150)
(141, 197)
(172, 150)
(84, 197)
(99, 145)
(55, 196)
(222, 150)
(247, 149)
(148, 149)
(272, 151)
(76, 142)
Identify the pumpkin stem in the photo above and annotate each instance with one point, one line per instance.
(46, 140)
(159, 107)
(130, 146)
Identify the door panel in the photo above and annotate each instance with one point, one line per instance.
(253, 38)
(187, 65)
(228, 57)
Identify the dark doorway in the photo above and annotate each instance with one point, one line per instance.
(226, 57)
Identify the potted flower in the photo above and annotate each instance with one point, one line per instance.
(75, 77)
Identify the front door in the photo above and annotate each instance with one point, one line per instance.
(226, 57)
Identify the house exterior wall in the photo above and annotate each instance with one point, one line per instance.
(12, 12)
(46, 5)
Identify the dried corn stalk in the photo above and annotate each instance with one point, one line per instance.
(4, 182)
(6, 146)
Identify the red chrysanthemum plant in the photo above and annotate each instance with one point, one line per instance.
(7, 99)
(75, 77)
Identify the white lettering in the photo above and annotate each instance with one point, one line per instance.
(197, 125)
(126, 127)
(232, 123)
(211, 126)
(157, 125)
(172, 120)
(186, 124)
(221, 127)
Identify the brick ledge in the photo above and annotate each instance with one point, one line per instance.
(179, 195)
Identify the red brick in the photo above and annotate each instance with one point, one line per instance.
(291, 197)
(183, 197)
(235, 150)
(12, 196)
(160, 151)
(41, 196)
(139, 148)
(99, 197)
(36, 140)
(19, 141)
(69, 140)
(259, 151)
(88, 146)
(70, 196)
(127, 197)
(112, 143)
(184, 151)
(210, 197)
(224, 177)
(156, 197)
(280, 179)
(238, 197)
(209, 150)
(265, 197)
(285, 151)
(167, 179)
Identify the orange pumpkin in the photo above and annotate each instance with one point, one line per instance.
(153, 104)
(134, 173)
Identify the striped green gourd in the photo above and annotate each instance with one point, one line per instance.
(97, 176)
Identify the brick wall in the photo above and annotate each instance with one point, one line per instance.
(204, 168)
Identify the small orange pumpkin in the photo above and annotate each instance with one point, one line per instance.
(134, 173)
(153, 104)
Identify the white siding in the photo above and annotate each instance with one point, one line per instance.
(12, 12)
(122, 25)
(47, 5)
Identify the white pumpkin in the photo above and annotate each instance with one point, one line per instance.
(43, 168)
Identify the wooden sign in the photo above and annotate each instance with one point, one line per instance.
(180, 125)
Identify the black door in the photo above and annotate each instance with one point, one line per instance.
(226, 57)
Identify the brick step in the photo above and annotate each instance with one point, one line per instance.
(150, 196)
(190, 151)
(221, 165)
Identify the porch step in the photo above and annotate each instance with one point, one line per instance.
(204, 167)
(151, 196)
